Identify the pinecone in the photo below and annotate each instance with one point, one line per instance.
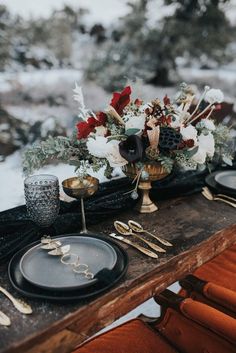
(169, 138)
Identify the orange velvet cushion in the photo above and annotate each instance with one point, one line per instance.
(220, 295)
(211, 318)
(221, 307)
(131, 337)
(190, 337)
(221, 269)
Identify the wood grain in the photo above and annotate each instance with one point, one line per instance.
(198, 229)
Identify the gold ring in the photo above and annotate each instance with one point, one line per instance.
(75, 263)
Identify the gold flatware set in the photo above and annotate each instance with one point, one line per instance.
(20, 305)
(132, 229)
(207, 193)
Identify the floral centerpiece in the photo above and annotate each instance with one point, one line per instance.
(178, 132)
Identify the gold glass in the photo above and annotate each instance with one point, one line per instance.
(153, 172)
(81, 188)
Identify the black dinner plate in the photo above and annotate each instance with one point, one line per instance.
(46, 271)
(29, 290)
(211, 182)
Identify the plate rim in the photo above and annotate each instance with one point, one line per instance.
(67, 288)
(51, 296)
(224, 173)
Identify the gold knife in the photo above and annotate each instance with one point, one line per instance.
(136, 246)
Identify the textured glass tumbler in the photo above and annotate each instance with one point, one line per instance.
(42, 199)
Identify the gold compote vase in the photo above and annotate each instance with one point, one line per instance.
(150, 171)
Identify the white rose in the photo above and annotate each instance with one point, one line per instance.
(214, 96)
(97, 146)
(200, 156)
(113, 154)
(135, 122)
(189, 133)
(207, 143)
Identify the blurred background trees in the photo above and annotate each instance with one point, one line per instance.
(196, 33)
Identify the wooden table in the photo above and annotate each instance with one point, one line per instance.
(200, 229)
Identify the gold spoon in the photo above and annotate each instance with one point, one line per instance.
(135, 226)
(20, 305)
(124, 229)
(4, 319)
(210, 197)
(207, 190)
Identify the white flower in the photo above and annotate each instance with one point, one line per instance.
(207, 143)
(189, 133)
(207, 124)
(200, 156)
(206, 148)
(100, 130)
(113, 154)
(97, 146)
(214, 96)
(135, 122)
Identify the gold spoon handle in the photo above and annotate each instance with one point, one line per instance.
(136, 246)
(161, 240)
(226, 197)
(225, 201)
(19, 305)
(149, 243)
(4, 319)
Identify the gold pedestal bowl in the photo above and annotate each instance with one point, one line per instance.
(151, 172)
(81, 188)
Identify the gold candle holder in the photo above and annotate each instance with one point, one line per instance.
(153, 172)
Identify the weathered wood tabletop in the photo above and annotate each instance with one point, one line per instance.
(200, 229)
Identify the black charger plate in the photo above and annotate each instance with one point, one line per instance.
(211, 182)
(32, 291)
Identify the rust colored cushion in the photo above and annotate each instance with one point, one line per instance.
(221, 307)
(131, 337)
(190, 337)
(220, 295)
(211, 318)
(221, 269)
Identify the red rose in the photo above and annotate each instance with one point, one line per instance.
(120, 100)
(84, 130)
(101, 117)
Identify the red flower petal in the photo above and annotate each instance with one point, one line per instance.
(120, 100)
(166, 100)
(92, 122)
(83, 130)
(101, 117)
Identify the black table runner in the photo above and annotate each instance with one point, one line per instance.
(17, 230)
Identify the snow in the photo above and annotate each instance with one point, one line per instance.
(104, 11)
(37, 78)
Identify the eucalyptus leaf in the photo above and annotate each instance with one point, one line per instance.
(227, 160)
(132, 132)
(191, 153)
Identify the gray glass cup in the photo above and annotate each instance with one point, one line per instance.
(42, 199)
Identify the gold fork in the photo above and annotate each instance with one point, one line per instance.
(20, 305)
(209, 196)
